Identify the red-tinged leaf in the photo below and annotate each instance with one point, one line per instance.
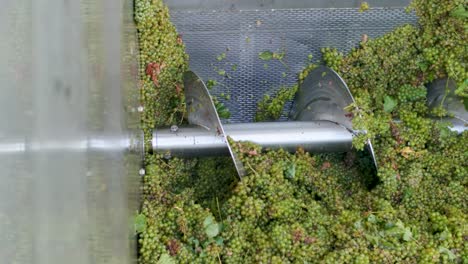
(326, 165)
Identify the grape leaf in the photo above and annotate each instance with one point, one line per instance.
(450, 254)
(372, 239)
(212, 230)
(165, 259)
(371, 218)
(358, 224)
(140, 223)
(444, 130)
(459, 12)
(194, 241)
(389, 104)
(290, 171)
(393, 231)
(444, 235)
(219, 241)
(407, 235)
(423, 66)
(208, 221)
(265, 55)
(399, 224)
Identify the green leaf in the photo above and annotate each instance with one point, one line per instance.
(206, 243)
(222, 72)
(459, 12)
(372, 219)
(165, 259)
(448, 252)
(140, 223)
(444, 130)
(208, 221)
(290, 171)
(234, 67)
(465, 102)
(423, 66)
(372, 239)
(393, 231)
(219, 241)
(387, 245)
(194, 241)
(444, 235)
(212, 230)
(408, 235)
(389, 104)
(358, 224)
(265, 55)
(400, 224)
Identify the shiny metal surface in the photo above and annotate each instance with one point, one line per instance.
(319, 137)
(188, 142)
(441, 92)
(323, 96)
(69, 183)
(202, 112)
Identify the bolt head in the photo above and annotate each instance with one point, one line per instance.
(174, 128)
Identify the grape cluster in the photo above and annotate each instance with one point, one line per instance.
(332, 58)
(163, 61)
(271, 107)
(408, 93)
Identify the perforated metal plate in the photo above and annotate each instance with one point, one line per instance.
(242, 34)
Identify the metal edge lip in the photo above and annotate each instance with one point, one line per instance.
(192, 76)
(295, 112)
(370, 146)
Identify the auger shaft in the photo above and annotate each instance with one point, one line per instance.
(314, 136)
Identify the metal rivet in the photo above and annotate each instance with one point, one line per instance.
(141, 172)
(174, 128)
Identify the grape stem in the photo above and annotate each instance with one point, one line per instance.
(447, 91)
(219, 210)
(250, 166)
